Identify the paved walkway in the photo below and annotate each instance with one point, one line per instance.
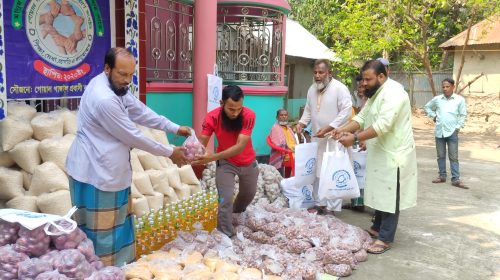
(452, 233)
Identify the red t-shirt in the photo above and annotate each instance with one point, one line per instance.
(227, 139)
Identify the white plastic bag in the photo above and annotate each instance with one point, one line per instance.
(359, 164)
(193, 146)
(306, 155)
(298, 196)
(337, 179)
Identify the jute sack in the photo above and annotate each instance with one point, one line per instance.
(56, 203)
(170, 196)
(26, 179)
(56, 150)
(149, 161)
(14, 131)
(11, 182)
(135, 192)
(21, 110)
(140, 206)
(135, 162)
(47, 126)
(27, 203)
(160, 136)
(5, 159)
(69, 121)
(155, 201)
(143, 183)
(157, 176)
(26, 155)
(47, 178)
(174, 180)
(187, 175)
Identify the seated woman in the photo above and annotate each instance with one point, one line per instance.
(281, 135)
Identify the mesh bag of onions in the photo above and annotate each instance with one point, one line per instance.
(193, 146)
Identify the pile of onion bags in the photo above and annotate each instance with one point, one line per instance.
(8, 232)
(32, 242)
(9, 262)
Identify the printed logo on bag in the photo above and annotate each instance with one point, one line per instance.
(309, 166)
(341, 178)
(357, 167)
(307, 193)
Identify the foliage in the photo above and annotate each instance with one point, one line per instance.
(409, 32)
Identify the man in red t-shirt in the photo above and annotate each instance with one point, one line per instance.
(232, 124)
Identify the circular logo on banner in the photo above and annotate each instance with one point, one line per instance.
(61, 32)
(341, 178)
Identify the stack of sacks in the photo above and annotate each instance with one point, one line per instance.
(156, 181)
(33, 150)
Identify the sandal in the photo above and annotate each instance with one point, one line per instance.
(378, 248)
(439, 180)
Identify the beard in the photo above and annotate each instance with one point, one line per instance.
(321, 85)
(120, 91)
(284, 123)
(231, 125)
(369, 92)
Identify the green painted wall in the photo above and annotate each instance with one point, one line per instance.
(178, 108)
(293, 107)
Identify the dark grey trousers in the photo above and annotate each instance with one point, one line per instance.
(386, 223)
(224, 179)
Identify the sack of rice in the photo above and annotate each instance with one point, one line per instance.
(69, 121)
(11, 183)
(195, 188)
(155, 202)
(27, 203)
(26, 179)
(3, 204)
(21, 110)
(157, 176)
(56, 150)
(142, 182)
(134, 161)
(164, 162)
(183, 192)
(149, 161)
(146, 131)
(56, 203)
(135, 193)
(26, 155)
(47, 178)
(170, 196)
(47, 126)
(140, 206)
(14, 131)
(174, 180)
(5, 159)
(187, 175)
(160, 136)
(162, 187)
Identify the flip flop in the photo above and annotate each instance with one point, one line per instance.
(377, 249)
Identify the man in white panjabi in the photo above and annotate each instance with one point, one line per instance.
(328, 106)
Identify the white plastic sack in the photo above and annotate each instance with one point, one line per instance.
(187, 175)
(47, 178)
(160, 136)
(26, 155)
(5, 159)
(14, 131)
(149, 161)
(140, 206)
(21, 110)
(143, 183)
(27, 203)
(47, 126)
(359, 164)
(337, 179)
(56, 150)
(155, 201)
(135, 162)
(11, 183)
(298, 196)
(69, 121)
(56, 203)
(306, 157)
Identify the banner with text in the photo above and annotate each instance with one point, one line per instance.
(54, 47)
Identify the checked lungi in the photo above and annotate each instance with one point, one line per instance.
(106, 218)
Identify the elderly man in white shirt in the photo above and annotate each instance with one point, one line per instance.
(98, 161)
(328, 106)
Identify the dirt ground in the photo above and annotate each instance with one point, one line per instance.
(453, 233)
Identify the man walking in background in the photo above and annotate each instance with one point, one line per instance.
(328, 106)
(449, 112)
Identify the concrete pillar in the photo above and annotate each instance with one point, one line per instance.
(205, 46)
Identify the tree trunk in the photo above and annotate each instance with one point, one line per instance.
(444, 60)
(462, 55)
